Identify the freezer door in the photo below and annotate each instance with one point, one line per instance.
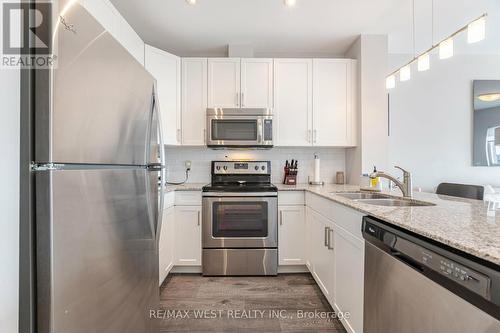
(97, 109)
(97, 253)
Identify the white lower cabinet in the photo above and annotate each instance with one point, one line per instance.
(166, 243)
(291, 240)
(335, 257)
(349, 277)
(187, 243)
(321, 252)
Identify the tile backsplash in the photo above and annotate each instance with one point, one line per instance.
(332, 160)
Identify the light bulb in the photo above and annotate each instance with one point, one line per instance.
(476, 31)
(424, 62)
(191, 2)
(490, 97)
(290, 3)
(405, 73)
(390, 82)
(446, 49)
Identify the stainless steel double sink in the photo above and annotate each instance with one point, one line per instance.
(379, 199)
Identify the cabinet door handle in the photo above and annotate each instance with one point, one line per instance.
(237, 99)
(330, 232)
(198, 218)
(281, 217)
(315, 136)
(309, 135)
(327, 231)
(178, 135)
(242, 99)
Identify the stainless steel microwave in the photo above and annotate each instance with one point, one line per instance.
(239, 128)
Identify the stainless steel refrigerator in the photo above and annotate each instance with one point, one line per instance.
(98, 159)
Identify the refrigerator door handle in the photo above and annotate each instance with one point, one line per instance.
(163, 175)
(162, 170)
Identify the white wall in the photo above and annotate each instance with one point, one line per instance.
(332, 160)
(431, 121)
(371, 53)
(9, 199)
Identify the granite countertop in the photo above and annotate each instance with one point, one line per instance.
(471, 226)
(185, 187)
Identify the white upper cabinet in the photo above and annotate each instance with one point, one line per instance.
(240, 83)
(257, 83)
(224, 83)
(333, 102)
(293, 102)
(111, 20)
(166, 68)
(194, 101)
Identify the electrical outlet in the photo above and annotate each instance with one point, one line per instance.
(188, 165)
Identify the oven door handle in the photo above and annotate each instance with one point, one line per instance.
(239, 194)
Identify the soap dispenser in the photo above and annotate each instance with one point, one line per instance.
(375, 182)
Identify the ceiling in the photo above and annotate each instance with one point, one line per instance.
(312, 28)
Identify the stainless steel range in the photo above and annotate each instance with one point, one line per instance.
(240, 220)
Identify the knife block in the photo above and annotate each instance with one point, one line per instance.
(290, 180)
(290, 176)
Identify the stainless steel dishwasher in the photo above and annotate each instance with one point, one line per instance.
(414, 284)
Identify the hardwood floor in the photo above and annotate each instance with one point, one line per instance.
(244, 304)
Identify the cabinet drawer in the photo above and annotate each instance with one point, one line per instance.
(347, 218)
(319, 204)
(188, 198)
(291, 198)
(168, 200)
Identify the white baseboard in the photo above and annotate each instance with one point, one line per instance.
(186, 269)
(293, 269)
(197, 269)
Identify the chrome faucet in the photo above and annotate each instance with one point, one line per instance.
(405, 187)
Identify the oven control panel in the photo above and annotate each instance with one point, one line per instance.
(241, 167)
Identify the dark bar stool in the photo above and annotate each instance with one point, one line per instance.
(461, 190)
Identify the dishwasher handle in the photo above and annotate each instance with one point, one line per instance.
(407, 260)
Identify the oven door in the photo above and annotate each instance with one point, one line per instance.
(240, 222)
(235, 131)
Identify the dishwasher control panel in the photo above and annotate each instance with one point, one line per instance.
(465, 276)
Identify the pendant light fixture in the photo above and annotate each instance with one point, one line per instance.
(446, 49)
(424, 62)
(390, 82)
(405, 73)
(476, 31)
